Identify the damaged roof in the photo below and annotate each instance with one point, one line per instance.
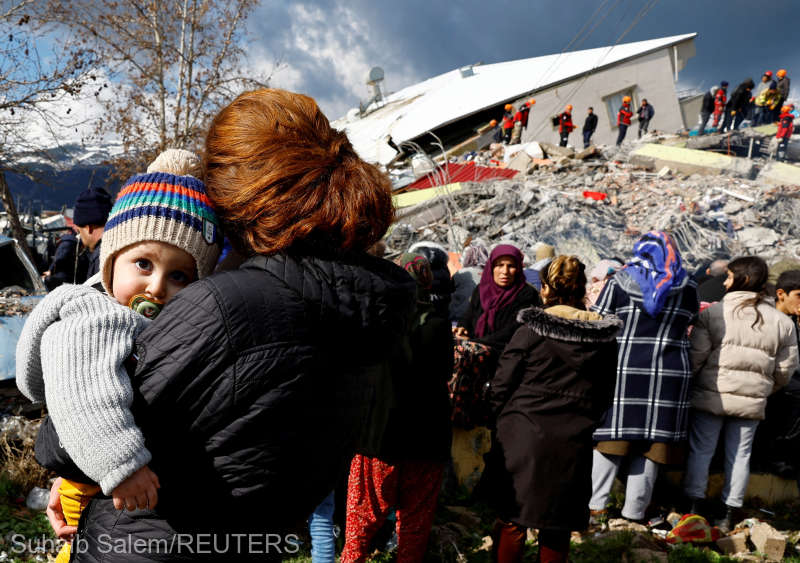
(443, 99)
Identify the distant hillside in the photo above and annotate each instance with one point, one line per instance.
(56, 189)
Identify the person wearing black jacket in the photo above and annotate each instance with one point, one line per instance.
(737, 105)
(589, 127)
(410, 466)
(645, 114)
(707, 109)
(552, 387)
(254, 387)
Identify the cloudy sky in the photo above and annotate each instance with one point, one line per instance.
(327, 47)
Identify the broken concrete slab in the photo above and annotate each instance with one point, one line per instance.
(780, 173)
(554, 151)
(735, 543)
(768, 541)
(689, 161)
(591, 150)
(520, 161)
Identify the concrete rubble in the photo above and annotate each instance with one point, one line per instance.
(595, 204)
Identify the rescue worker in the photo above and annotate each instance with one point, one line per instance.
(526, 112)
(758, 98)
(720, 100)
(624, 119)
(785, 130)
(497, 132)
(565, 125)
(783, 90)
(737, 105)
(707, 109)
(589, 127)
(766, 104)
(508, 123)
(645, 114)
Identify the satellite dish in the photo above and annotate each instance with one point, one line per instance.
(375, 75)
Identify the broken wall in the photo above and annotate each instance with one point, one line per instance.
(650, 76)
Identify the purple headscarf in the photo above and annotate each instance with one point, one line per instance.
(494, 297)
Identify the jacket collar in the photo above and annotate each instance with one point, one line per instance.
(737, 296)
(570, 324)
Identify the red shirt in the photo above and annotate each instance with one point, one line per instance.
(785, 125)
(624, 115)
(719, 100)
(508, 120)
(566, 123)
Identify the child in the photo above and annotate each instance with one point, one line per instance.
(785, 130)
(743, 349)
(161, 235)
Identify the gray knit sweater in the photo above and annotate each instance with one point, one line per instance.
(71, 355)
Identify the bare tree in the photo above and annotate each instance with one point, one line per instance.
(173, 64)
(29, 84)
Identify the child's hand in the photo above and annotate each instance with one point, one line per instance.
(137, 491)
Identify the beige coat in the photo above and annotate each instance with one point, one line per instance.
(736, 367)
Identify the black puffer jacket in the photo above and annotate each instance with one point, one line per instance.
(254, 387)
(505, 321)
(553, 385)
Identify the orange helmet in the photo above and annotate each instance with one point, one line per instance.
(782, 73)
(532, 101)
(509, 107)
(626, 100)
(569, 107)
(493, 122)
(786, 109)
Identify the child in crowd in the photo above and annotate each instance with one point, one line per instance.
(161, 235)
(743, 349)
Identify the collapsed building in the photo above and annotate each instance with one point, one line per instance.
(719, 195)
(449, 109)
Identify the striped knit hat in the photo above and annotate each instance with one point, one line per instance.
(166, 205)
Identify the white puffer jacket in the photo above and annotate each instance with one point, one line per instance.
(736, 367)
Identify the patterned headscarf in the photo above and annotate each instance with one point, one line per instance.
(494, 297)
(420, 269)
(656, 268)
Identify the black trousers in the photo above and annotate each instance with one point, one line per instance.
(564, 139)
(623, 130)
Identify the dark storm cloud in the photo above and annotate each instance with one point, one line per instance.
(328, 53)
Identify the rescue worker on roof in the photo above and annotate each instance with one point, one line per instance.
(785, 130)
(783, 90)
(521, 121)
(508, 123)
(767, 104)
(565, 125)
(624, 119)
(720, 99)
(737, 105)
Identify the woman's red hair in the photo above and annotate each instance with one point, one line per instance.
(278, 173)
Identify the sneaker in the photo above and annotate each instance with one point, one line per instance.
(598, 518)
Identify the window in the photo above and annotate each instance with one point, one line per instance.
(614, 102)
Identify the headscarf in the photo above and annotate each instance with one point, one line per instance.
(493, 297)
(656, 268)
(474, 256)
(419, 268)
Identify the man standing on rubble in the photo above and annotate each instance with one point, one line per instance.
(783, 90)
(646, 113)
(624, 119)
(720, 99)
(589, 127)
(785, 130)
(758, 98)
(508, 123)
(737, 105)
(707, 109)
(565, 125)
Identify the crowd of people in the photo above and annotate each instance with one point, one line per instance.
(241, 345)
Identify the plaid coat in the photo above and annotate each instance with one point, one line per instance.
(651, 398)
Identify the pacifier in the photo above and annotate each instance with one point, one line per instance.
(148, 307)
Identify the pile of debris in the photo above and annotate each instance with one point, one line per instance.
(11, 303)
(595, 204)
